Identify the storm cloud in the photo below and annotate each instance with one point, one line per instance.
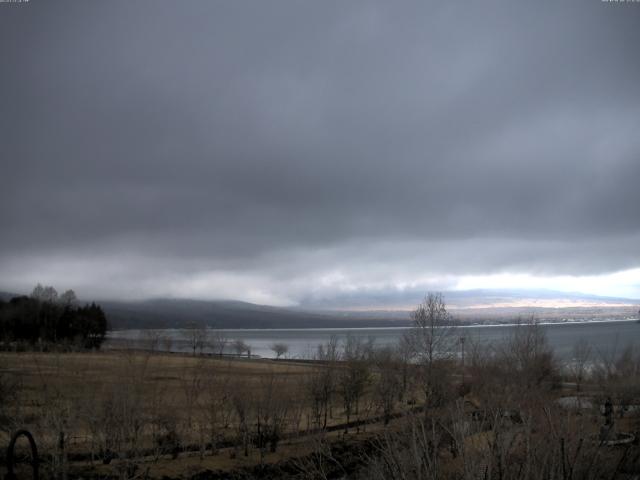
(284, 151)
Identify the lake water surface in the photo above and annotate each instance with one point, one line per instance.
(603, 336)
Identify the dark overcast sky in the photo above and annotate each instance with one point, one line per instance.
(289, 152)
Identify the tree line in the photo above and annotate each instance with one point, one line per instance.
(46, 318)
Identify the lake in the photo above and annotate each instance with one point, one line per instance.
(604, 336)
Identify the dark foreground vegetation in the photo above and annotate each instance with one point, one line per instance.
(47, 320)
(433, 407)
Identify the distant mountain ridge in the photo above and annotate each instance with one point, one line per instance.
(406, 299)
(165, 313)
(474, 306)
(6, 296)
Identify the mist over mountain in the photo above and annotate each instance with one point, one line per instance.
(474, 306)
(407, 298)
(164, 313)
(468, 306)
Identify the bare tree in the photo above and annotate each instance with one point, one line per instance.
(48, 310)
(240, 347)
(150, 340)
(388, 381)
(270, 410)
(411, 454)
(218, 342)
(321, 382)
(217, 406)
(167, 343)
(243, 404)
(44, 294)
(321, 463)
(527, 354)
(68, 298)
(196, 336)
(192, 383)
(279, 349)
(354, 375)
(38, 292)
(621, 378)
(485, 369)
(403, 354)
(55, 417)
(162, 421)
(118, 417)
(432, 339)
(581, 357)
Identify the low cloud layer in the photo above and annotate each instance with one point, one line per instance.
(289, 152)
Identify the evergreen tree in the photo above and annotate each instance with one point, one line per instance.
(44, 317)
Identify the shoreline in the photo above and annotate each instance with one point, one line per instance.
(400, 327)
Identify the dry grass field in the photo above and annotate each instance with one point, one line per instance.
(81, 375)
(139, 414)
(100, 400)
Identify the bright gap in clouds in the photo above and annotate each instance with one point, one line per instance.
(625, 284)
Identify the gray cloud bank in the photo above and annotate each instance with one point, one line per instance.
(271, 150)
